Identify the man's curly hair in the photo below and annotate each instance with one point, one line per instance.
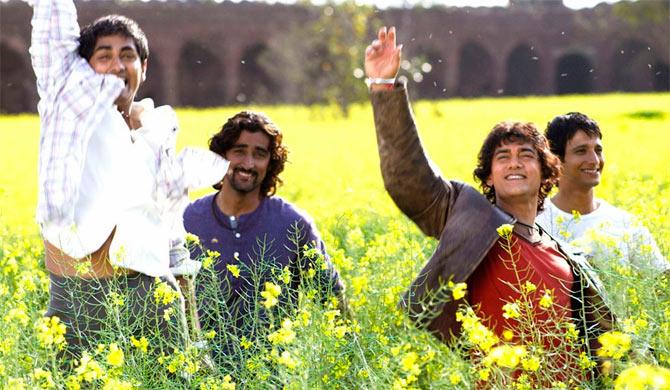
(517, 132)
(253, 122)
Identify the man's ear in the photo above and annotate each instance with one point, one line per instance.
(489, 181)
(145, 63)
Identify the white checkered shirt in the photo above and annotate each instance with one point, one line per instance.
(72, 100)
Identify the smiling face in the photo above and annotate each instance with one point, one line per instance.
(583, 161)
(117, 55)
(249, 159)
(516, 173)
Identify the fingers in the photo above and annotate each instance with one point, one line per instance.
(368, 51)
(376, 44)
(381, 35)
(386, 39)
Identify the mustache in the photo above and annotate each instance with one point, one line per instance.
(242, 170)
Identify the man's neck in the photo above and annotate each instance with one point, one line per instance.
(581, 200)
(233, 203)
(125, 113)
(524, 211)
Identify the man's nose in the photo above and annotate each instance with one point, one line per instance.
(593, 157)
(248, 161)
(117, 66)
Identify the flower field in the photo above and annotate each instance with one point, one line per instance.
(333, 173)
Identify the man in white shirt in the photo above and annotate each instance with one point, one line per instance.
(111, 189)
(575, 215)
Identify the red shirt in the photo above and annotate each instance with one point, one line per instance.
(500, 278)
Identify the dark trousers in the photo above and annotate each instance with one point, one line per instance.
(109, 310)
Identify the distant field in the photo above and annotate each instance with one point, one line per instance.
(333, 160)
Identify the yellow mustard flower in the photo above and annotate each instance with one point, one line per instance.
(511, 310)
(164, 294)
(505, 230)
(285, 359)
(614, 344)
(507, 356)
(43, 378)
(234, 270)
(271, 292)
(51, 332)
(458, 290)
(547, 299)
(142, 344)
(644, 376)
(115, 355)
(88, 370)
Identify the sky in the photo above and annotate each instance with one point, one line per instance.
(575, 4)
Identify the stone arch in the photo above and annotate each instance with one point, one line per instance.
(574, 74)
(256, 85)
(433, 70)
(661, 77)
(17, 89)
(475, 71)
(523, 71)
(154, 86)
(201, 77)
(632, 67)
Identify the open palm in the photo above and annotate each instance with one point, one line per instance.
(382, 57)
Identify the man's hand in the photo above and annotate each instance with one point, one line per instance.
(382, 57)
(136, 110)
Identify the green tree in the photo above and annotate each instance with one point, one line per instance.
(319, 59)
(641, 12)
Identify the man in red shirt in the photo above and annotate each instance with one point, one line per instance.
(520, 271)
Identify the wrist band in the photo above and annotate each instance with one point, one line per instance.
(378, 80)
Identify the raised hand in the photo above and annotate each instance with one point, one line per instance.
(382, 57)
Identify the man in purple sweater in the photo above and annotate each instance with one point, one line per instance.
(260, 237)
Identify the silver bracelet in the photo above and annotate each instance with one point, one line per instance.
(378, 80)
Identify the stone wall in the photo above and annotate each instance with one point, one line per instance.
(206, 54)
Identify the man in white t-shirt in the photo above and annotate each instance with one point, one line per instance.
(576, 216)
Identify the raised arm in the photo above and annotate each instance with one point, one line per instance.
(409, 177)
(54, 40)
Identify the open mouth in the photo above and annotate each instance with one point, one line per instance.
(592, 171)
(515, 177)
(245, 175)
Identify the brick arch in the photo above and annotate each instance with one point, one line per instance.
(202, 78)
(255, 85)
(522, 72)
(661, 76)
(476, 72)
(17, 91)
(574, 73)
(633, 66)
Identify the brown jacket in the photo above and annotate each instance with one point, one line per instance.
(461, 218)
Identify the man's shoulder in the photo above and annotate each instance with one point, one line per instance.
(199, 207)
(606, 209)
(283, 209)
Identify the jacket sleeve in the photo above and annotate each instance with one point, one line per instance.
(410, 178)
